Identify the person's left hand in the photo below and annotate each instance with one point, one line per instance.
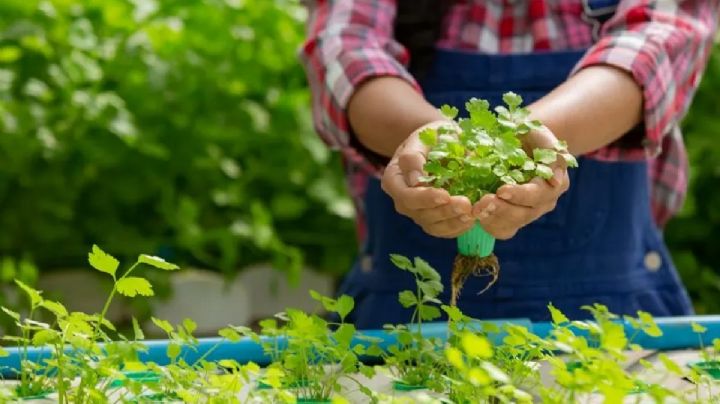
(514, 206)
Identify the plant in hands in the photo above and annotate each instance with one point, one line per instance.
(476, 157)
(416, 360)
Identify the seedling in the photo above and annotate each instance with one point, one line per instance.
(416, 361)
(473, 157)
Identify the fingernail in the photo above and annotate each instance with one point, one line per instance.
(505, 195)
(490, 208)
(465, 218)
(413, 178)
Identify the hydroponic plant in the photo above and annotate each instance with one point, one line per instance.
(473, 158)
(312, 359)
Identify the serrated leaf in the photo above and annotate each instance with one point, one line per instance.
(163, 325)
(512, 100)
(426, 271)
(401, 262)
(543, 171)
(344, 306)
(557, 316)
(428, 313)
(428, 136)
(697, 328)
(449, 111)
(407, 299)
(33, 294)
(544, 156)
(54, 307)
(13, 314)
(45, 337)
(133, 286)
(173, 350)
(103, 261)
(157, 262)
(137, 330)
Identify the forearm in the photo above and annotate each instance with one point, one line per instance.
(593, 108)
(383, 111)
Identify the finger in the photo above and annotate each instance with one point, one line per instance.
(508, 215)
(459, 207)
(535, 193)
(411, 198)
(448, 228)
(411, 164)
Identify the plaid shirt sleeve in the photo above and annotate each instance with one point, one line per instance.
(348, 41)
(665, 46)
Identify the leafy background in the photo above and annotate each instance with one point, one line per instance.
(183, 129)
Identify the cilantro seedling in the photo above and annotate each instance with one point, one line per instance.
(473, 157)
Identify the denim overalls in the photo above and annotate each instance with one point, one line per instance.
(599, 245)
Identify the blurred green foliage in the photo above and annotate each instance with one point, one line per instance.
(175, 127)
(183, 128)
(694, 235)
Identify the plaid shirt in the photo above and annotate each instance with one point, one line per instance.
(664, 44)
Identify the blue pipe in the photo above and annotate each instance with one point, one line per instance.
(677, 334)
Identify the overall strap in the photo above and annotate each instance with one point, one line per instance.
(598, 12)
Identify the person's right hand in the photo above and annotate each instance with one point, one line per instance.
(433, 209)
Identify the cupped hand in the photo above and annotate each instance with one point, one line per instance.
(433, 209)
(514, 206)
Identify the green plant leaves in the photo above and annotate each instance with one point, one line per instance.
(407, 299)
(401, 262)
(485, 151)
(557, 316)
(449, 112)
(344, 306)
(33, 295)
(102, 261)
(157, 262)
(132, 286)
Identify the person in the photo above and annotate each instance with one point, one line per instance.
(612, 78)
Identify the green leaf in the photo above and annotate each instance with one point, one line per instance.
(189, 325)
(512, 100)
(173, 350)
(428, 136)
(157, 262)
(4, 353)
(425, 270)
(648, 324)
(544, 156)
(54, 307)
(449, 111)
(33, 294)
(137, 330)
(476, 346)
(229, 334)
(163, 325)
(697, 328)
(401, 262)
(543, 171)
(431, 288)
(428, 313)
(133, 286)
(557, 316)
(344, 306)
(13, 314)
(10, 54)
(103, 261)
(407, 298)
(45, 337)
(670, 364)
(344, 334)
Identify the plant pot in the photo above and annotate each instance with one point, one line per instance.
(710, 368)
(143, 377)
(476, 242)
(402, 386)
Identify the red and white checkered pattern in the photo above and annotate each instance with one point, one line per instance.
(664, 44)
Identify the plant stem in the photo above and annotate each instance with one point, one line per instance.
(109, 300)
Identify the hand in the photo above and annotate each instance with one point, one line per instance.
(433, 209)
(514, 206)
